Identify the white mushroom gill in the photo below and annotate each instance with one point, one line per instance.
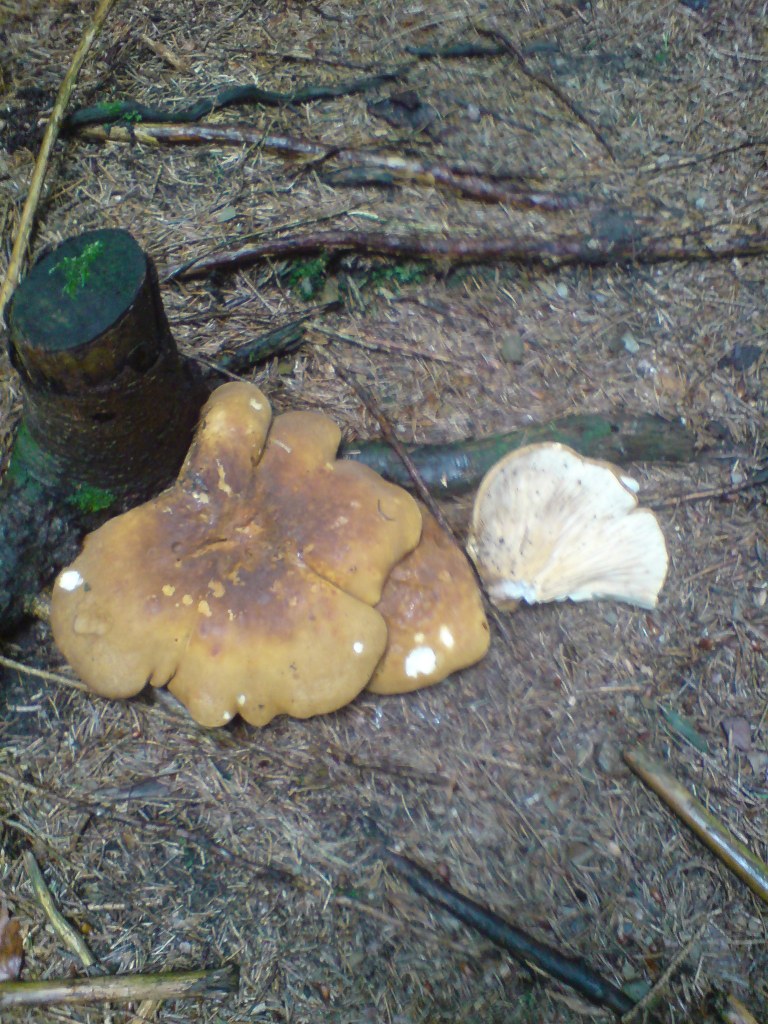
(70, 579)
(420, 662)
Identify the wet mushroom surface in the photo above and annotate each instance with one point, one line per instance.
(248, 585)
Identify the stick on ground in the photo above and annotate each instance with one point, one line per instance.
(731, 851)
(212, 984)
(523, 947)
(43, 157)
(68, 935)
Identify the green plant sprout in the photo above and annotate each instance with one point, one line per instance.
(77, 269)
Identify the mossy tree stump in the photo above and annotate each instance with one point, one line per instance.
(109, 405)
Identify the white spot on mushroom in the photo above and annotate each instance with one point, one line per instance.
(282, 444)
(187, 600)
(205, 609)
(420, 662)
(168, 590)
(419, 638)
(255, 405)
(358, 647)
(446, 637)
(227, 715)
(70, 579)
(630, 484)
(201, 496)
(216, 587)
(240, 699)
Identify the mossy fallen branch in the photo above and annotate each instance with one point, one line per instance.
(458, 467)
(134, 112)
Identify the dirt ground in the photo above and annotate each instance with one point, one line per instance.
(172, 847)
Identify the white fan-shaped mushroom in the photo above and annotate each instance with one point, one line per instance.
(549, 525)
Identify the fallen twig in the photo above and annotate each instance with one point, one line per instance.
(71, 938)
(382, 345)
(554, 250)
(571, 971)
(132, 111)
(659, 987)
(211, 984)
(52, 130)
(731, 851)
(394, 442)
(139, 823)
(547, 83)
(468, 182)
(759, 478)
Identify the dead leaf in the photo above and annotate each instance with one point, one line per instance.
(404, 110)
(11, 949)
(738, 731)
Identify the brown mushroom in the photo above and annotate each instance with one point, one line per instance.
(434, 614)
(248, 585)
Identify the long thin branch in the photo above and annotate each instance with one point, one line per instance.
(732, 852)
(524, 947)
(554, 250)
(467, 182)
(52, 130)
(211, 984)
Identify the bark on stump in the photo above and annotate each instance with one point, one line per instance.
(109, 405)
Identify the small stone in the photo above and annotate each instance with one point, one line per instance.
(738, 731)
(630, 342)
(226, 214)
(609, 760)
(512, 348)
(562, 290)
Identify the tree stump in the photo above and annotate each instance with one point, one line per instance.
(109, 405)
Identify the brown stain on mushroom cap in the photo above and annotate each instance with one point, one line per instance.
(434, 614)
(253, 598)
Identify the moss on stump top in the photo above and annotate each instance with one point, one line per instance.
(78, 291)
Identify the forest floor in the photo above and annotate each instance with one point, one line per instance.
(154, 834)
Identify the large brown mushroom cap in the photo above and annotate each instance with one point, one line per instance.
(246, 586)
(434, 614)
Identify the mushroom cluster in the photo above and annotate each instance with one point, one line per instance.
(269, 578)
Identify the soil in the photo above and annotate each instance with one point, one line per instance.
(170, 847)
